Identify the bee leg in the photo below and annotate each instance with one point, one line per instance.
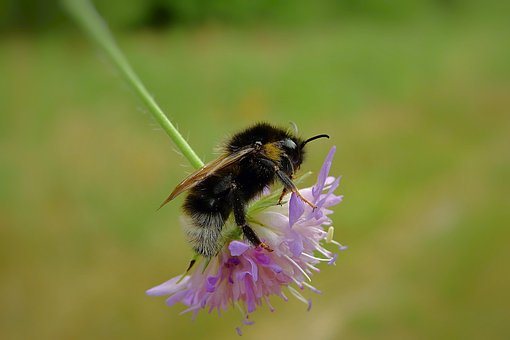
(289, 185)
(287, 182)
(284, 192)
(253, 238)
(240, 219)
(313, 206)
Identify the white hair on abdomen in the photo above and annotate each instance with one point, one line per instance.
(203, 232)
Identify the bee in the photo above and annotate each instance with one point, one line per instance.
(250, 161)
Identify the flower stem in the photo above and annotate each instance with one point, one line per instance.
(90, 21)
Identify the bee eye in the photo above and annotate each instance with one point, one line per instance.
(289, 143)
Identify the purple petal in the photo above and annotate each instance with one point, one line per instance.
(296, 209)
(323, 174)
(179, 296)
(334, 186)
(317, 214)
(329, 198)
(296, 247)
(274, 219)
(276, 268)
(251, 300)
(262, 258)
(211, 283)
(332, 200)
(265, 261)
(169, 287)
(254, 269)
(232, 261)
(237, 248)
(329, 180)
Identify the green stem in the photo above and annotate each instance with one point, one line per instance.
(88, 18)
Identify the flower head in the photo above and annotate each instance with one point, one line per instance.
(247, 276)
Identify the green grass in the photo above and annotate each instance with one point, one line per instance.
(419, 113)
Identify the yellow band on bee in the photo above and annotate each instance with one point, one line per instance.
(272, 151)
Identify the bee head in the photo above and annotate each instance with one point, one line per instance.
(294, 148)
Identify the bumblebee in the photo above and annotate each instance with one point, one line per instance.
(250, 161)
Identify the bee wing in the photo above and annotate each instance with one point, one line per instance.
(207, 170)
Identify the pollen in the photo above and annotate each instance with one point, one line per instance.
(272, 151)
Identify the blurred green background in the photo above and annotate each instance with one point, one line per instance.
(415, 95)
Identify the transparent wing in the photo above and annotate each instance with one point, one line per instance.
(207, 170)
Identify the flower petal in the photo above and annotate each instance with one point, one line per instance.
(237, 248)
(211, 283)
(323, 174)
(169, 287)
(296, 209)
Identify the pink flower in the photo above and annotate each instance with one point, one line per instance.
(246, 276)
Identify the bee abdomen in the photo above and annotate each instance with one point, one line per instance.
(203, 231)
(206, 209)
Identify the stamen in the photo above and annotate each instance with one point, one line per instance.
(284, 297)
(315, 269)
(324, 251)
(299, 284)
(329, 237)
(241, 310)
(340, 246)
(321, 249)
(271, 308)
(297, 265)
(298, 295)
(316, 258)
(333, 260)
(248, 322)
(312, 288)
(195, 307)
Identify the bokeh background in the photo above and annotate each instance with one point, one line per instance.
(415, 95)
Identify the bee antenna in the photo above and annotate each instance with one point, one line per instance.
(294, 127)
(314, 138)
